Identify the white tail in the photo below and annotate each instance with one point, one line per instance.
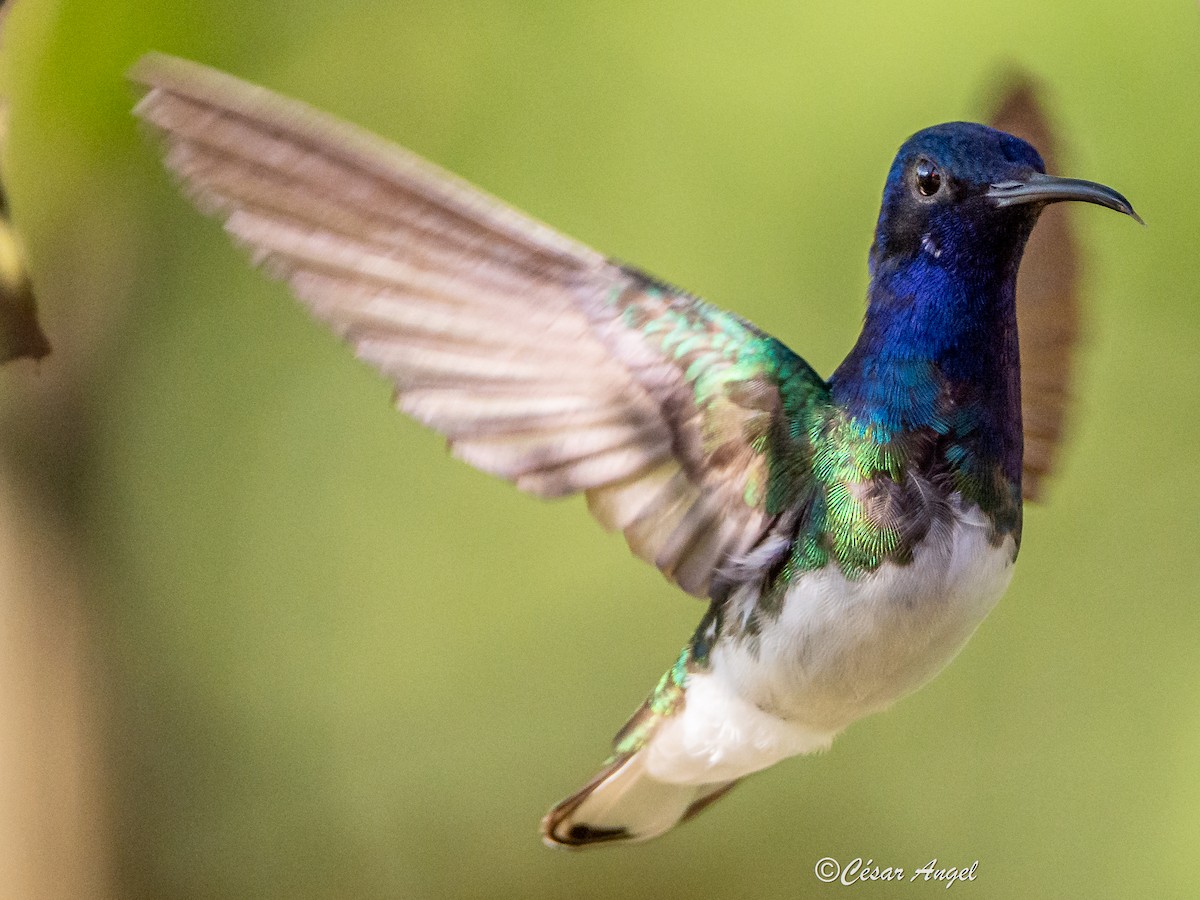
(625, 803)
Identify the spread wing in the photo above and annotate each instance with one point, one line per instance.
(1047, 299)
(539, 359)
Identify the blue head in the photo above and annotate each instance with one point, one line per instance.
(936, 201)
(960, 201)
(968, 196)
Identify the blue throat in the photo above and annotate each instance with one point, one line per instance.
(938, 348)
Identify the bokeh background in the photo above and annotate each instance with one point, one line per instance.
(261, 638)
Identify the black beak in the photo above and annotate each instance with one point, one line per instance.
(1039, 188)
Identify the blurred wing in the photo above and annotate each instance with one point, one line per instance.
(1047, 299)
(540, 360)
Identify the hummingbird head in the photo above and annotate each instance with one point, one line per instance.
(966, 197)
(960, 201)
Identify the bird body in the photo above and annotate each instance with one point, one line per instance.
(843, 647)
(840, 648)
(848, 534)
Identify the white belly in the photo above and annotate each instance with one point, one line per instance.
(840, 649)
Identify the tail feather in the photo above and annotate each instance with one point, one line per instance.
(623, 802)
(692, 740)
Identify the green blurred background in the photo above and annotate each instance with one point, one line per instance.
(316, 658)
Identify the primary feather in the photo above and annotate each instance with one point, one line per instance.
(542, 361)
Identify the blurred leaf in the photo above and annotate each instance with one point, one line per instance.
(20, 334)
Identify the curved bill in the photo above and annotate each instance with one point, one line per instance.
(1039, 188)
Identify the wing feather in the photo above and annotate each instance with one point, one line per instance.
(539, 359)
(1048, 308)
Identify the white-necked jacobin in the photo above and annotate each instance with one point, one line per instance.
(849, 533)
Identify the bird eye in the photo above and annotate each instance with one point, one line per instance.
(929, 179)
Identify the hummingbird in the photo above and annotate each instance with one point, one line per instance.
(848, 533)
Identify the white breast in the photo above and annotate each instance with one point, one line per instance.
(840, 649)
